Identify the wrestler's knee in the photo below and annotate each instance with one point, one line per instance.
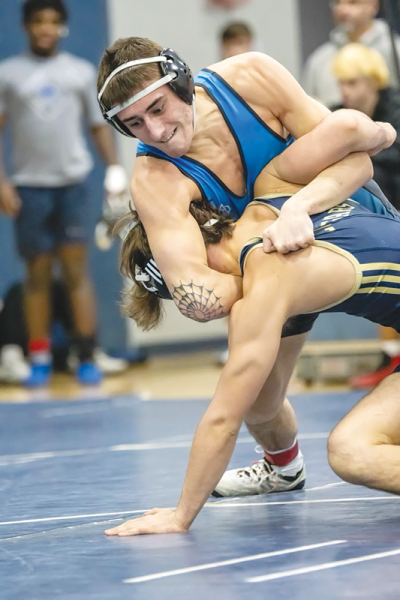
(349, 454)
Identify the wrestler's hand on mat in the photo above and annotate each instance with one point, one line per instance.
(391, 135)
(157, 520)
(292, 231)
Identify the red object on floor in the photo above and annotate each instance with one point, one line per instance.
(369, 380)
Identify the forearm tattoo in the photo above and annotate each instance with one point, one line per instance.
(198, 303)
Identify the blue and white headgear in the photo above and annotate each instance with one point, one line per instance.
(175, 72)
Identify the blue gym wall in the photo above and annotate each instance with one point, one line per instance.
(88, 37)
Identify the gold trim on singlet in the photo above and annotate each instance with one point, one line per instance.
(269, 196)
(333, 248)
(259, 245)
(381, 290)
(380, 278)
(259, 200)
(381, 265)
(357, 271)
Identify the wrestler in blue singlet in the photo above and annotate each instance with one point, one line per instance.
(372, 243)
(257, 144)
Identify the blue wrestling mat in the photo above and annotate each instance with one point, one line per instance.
(69, 470)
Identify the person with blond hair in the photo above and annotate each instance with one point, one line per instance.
(363, 78)
(355, 22)
(361, 73)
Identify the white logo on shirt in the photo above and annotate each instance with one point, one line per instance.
(224, 209)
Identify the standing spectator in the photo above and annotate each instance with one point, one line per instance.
(45, 95)
(363, 78)
(236, 38)
(355, 22)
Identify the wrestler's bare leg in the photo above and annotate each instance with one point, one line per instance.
(272, 422)
(364, 448)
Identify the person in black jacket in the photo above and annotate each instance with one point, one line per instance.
(363, 78)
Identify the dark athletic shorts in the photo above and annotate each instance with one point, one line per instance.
(299, 324)
(52, 216)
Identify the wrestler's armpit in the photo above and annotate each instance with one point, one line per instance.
(198, 303)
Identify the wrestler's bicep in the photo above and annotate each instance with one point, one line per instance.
(177, 245)
(162, 199)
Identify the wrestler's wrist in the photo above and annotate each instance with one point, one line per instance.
(297, 205)
(182, 521)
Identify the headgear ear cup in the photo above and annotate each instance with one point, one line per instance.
(182, 84)
(148, 275)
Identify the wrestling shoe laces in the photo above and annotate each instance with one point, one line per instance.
(262, 478)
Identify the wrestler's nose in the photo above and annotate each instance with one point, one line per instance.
(156, 129)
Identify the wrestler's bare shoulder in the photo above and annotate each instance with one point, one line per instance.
(254, 76)
(155, 181)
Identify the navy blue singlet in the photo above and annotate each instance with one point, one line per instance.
(372, 243)
(257, 144)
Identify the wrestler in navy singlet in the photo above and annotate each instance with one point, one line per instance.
(257, 143)
(372, 243)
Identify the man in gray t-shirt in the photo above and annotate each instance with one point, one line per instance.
(46, 98)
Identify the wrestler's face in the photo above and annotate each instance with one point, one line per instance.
(354, 15)
(359, 92)
(161, 120)
(44, 31)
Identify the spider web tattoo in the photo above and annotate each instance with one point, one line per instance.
(198, 303)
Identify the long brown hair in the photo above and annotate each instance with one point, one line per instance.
(138, 303)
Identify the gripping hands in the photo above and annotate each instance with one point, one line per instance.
(292, 231)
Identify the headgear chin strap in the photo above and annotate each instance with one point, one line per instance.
(175, 72)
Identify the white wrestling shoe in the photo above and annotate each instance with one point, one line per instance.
(262, 478)
(14, 368)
